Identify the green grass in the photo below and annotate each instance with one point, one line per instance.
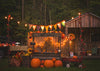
(91, 65)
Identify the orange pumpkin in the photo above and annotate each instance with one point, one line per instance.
(48, 63)
(75, 57)
(53, 59)
(35, 62)
(41, 66)
(42, 61)
(58, 63)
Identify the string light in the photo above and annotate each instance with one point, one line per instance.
(72, 17)
(34, 27)
(25, 25)
(18, 22)
(42, 27)
(79, 13)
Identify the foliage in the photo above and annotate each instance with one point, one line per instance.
(41, 12)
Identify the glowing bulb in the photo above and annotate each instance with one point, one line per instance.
(34, 27)
(70, 42)
(18, 22)
(5, 17)
(25, 25)
(72, 17)
(11, 18)
(50, 26)
(79, 13)
(42, 27)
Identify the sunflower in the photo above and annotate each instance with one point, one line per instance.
(29, 50)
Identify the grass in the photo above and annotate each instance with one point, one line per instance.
(91, 65)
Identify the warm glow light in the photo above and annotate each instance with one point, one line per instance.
(40, 41)
(59, 50)
(18, 22)
(59, 25)
(63, 21)
(42, 27)
(25, 25)
(79, 13)
(34, 27)
(50, 26)
(66, 38)
(70, 42)
(11, 18)
(46, 27)
(72, 17)
(5, 17)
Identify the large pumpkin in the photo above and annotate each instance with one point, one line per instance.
(48, 63)
(35, 62)
(58, 63)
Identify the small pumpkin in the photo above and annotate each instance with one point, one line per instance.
(41, 66)
(35, 62)
(58, 63)
(53, 59)
(48, 63)
(75, 57)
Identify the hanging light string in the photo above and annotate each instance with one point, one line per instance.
(81, 31)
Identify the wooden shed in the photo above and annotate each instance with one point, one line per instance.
(88, 26)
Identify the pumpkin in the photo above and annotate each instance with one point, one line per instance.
(35, 62)
(53, 59)
(48, 63)
(58, 63)
(41, 66)
(75, 57)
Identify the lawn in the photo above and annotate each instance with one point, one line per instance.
(91, 65)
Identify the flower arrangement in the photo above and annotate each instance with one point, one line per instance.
(16, 59)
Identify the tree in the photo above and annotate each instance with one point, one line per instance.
(41, 12)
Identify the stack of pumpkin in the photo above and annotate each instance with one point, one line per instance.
(36, 62)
